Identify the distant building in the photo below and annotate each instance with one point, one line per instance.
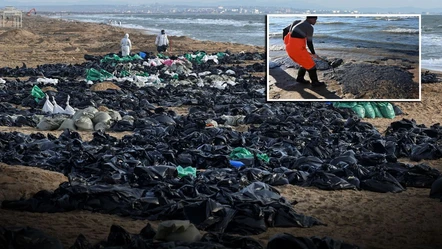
(11, 17)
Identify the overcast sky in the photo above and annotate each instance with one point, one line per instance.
(341, 4)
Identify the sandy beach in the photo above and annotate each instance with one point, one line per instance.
(68, 41)
(409, 220)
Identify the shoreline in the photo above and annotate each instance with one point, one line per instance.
(146, 30)
(355, 54)
(51, 40)
(431, 70)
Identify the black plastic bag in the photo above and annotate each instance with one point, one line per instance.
(118, 236)
(151, 175)
(208, 215)
(436, 189)
(381, 181)
(371, 158)
(282, 215)
(81, 243)
(420, 176)
(425, 151)
(329, 181)
(27, 237)
(231, 241)
(249, 219)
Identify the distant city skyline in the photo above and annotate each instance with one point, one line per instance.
(337, 4)
(261, 6)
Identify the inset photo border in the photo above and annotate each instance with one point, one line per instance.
(365, 57)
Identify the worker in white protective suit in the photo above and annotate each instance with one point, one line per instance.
(162, 42)
(126, 45)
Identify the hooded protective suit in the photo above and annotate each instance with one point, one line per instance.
(126, 45)
(162, 42)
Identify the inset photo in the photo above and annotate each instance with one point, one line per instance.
(343, 57)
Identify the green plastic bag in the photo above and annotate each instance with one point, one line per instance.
(37, 93)
(144, 74)
(95, 75)
(344, 104)
(369, 111)
(220, 55)
(187, 56)
(198, 57)
(386, 109)
(377, 112)
(162, 56)
(137, 57)
(359, 110)
(106, 74)
(92, 74)
(131, 58)
(108, 58)
(186, 171)
(239, 153)
(124, 73)
(263, 157)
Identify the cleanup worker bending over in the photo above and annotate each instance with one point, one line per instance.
(295, 41)
(126, 45)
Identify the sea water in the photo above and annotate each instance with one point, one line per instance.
(431, 57)
(399, 33)
(234, 28)
(390, 33)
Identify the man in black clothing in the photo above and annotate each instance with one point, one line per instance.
(286, 30)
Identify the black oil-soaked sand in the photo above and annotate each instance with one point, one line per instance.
(367, 80)
(373, 74)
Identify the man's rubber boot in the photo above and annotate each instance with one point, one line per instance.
(301, 74)
(314, 77)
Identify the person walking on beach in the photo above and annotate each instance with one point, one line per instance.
(300, 34)
(126, 45)
(162, 42)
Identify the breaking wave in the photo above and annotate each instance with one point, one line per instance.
(432, 64)
(402, 31)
